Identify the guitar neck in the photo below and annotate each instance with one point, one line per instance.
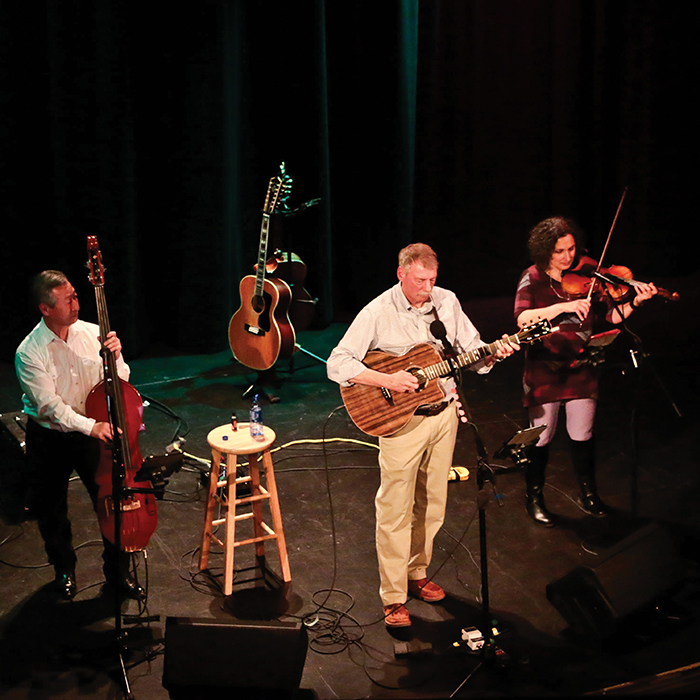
(466, 359)
(262, 255)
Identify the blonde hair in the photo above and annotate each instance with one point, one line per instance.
(417, 252)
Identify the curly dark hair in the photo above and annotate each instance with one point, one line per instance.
(544, 236)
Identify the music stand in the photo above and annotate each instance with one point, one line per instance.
(516, 448)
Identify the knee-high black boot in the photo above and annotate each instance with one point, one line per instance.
(534, 483)
(583, 458)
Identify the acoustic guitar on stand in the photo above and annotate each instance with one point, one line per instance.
(380, 412)
(260, 332)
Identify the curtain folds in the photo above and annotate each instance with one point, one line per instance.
(457, 123)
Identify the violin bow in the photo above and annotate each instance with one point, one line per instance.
(605, 248)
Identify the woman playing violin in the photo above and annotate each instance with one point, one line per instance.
(556, 372)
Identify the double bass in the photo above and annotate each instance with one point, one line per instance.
(117, 402)
(290, 268)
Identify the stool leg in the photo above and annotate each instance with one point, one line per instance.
(209, 510)
(229, 545)
(257, 507)
(276, 516)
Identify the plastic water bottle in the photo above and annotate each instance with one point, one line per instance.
(256, 420)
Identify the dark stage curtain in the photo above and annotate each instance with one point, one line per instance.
(156, 127)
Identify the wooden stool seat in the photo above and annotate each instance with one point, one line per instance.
(224, 441)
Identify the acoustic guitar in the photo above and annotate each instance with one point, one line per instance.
(260, 332)
(378, 411)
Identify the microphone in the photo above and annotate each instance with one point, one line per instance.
(309, 204)
(437, 328)
(304, 206)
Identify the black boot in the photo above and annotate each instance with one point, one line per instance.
(583, 458)
(534, 483)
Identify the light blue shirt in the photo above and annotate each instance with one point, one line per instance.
(389, 323)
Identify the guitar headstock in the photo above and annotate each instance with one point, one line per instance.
(536, 330)
(277, 191)
(94, 263)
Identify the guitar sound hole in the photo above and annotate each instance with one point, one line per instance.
(262, 305)
(417, 372)
(258, 304)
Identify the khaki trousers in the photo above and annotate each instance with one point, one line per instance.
(410, 503)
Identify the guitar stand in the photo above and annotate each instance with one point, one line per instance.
(268, 377)
(264, 378)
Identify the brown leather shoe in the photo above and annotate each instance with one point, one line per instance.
(396, 615)
(426, 590)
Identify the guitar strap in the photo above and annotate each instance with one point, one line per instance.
(449, 352)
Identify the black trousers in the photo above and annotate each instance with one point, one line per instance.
(52, 457)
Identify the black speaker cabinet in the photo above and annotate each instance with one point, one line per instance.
(242, 655)
(633, 573)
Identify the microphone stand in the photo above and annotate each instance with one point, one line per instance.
(118, 492)
(640, 360)
(288, 214)
(484, 473)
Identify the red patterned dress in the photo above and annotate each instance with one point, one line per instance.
(553, 371)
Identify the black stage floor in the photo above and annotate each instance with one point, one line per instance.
(648, 474)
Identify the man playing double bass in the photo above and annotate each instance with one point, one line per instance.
(57, 365)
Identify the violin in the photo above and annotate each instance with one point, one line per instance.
(618, 281)
(129, 525)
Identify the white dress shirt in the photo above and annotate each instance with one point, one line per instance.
(57, 376)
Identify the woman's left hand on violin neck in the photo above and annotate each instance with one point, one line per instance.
(643, 292)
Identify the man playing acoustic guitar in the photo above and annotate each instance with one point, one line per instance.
(415, 460)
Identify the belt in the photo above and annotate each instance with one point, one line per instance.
(432, 409)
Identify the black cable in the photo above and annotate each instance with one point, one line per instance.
(169, 412)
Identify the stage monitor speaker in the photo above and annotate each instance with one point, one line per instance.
(252, 656)
(633, 574)
(14, 479)
(13, 432)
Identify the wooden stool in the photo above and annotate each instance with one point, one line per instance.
(225, 441)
